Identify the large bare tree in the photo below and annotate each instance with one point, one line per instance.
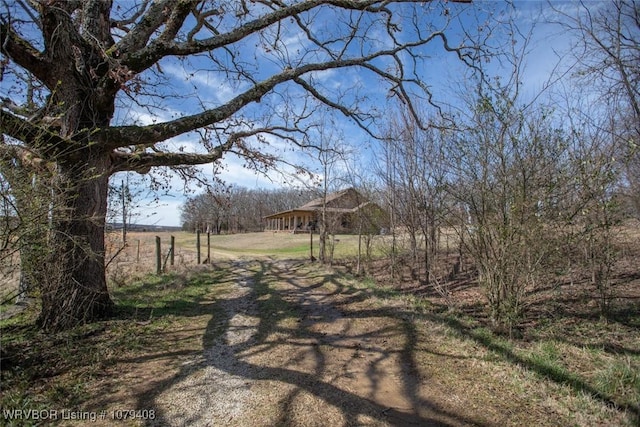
(74, 72)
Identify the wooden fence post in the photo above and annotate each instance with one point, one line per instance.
(173, 250)
(198, 244)
(158, 256)
(208, 247)
(138, 253)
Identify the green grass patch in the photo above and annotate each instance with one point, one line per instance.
(169, 294)
(279, 245)
(293, 251)
(620, 378)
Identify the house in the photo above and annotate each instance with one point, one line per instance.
(347, 211)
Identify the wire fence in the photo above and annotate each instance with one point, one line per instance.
(157, 253)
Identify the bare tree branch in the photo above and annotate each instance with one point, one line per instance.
(138, 59)
(138, 37)
(115, 137)
(23, 53)
(123, 24)
(29, 133)
(143, 161)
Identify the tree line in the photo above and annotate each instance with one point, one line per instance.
(234, 209)
(529, 200)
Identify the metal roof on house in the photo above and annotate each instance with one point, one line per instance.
(350, 197)
(331, 198)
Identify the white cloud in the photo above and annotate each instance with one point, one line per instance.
(165, 212)
(143, 119)
(206, 85)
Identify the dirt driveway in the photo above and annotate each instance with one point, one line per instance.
(297, 350)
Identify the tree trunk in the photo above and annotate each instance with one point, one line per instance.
(427, 257)
(359, 259)
(74, 291)
(32, 244)
(322, 247)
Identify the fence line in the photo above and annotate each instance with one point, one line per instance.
(171, 253)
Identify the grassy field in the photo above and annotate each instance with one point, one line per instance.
(570, 366)
(276, 245)
(139, 256)
(246, 245)
(222, 247)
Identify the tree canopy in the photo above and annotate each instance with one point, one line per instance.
(72, 64)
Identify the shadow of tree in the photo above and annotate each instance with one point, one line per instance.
(307, 322)
(544, 370)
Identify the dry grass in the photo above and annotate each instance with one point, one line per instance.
(139, 255)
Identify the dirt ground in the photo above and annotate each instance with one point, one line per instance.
(295, 352)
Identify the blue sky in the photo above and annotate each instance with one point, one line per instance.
(195, 88)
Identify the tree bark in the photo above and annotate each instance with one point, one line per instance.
(75, 291)
(322, 246)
